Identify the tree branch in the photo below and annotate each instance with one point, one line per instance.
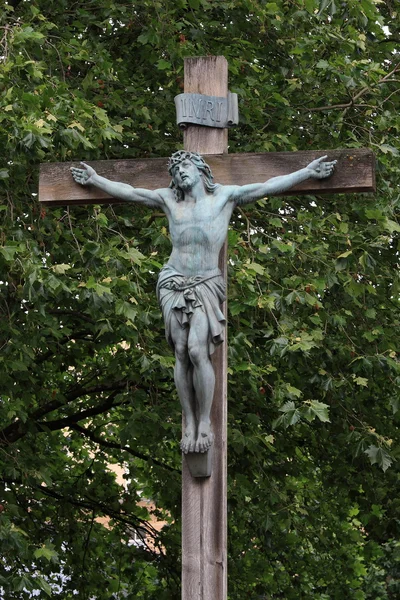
(71, 313)
(92, 504)
(76, 336)
(332, 107)
(115, 446)
(354, 99)
(17, 429)
(80, 416)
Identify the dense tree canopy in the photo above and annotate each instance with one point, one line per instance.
(86, 375)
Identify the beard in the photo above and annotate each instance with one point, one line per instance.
(187, 184)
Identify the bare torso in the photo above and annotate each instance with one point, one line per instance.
(198, 230)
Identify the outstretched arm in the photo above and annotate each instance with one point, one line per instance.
(123, 191)
(317, 169)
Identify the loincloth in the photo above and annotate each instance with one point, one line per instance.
(180, 295)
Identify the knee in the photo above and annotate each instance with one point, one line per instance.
(181, 352)
(197, 354)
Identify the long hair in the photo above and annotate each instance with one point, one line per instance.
(199, 162)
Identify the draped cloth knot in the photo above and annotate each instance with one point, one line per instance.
(180, 295)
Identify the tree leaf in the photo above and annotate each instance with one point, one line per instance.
(379, 456)
(60, 269)
(315, 409)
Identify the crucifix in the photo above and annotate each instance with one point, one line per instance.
(191, 286)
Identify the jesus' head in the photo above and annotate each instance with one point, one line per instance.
(185, 168)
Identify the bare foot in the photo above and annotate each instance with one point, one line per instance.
(205, 437)
(188, 442)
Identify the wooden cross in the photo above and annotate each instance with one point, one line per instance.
(204, 500)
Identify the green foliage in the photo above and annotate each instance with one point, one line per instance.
(86, 375)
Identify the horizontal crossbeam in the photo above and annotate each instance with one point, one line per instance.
(355, 172)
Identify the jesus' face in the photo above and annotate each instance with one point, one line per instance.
(186, 175)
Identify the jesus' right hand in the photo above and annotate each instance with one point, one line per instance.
(83, 176)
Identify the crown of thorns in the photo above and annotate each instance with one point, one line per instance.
(195, 157)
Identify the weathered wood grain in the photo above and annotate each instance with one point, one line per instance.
(204, 501)
(355, 172)
(197, 81)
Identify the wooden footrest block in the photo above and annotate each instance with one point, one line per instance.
(200, 463)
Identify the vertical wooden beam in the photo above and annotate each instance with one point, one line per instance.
(206, 75)
(204, 500)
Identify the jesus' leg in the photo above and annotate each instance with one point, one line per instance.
(183, 375)
(203, 377)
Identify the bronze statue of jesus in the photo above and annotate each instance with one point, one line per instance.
(190, 286)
